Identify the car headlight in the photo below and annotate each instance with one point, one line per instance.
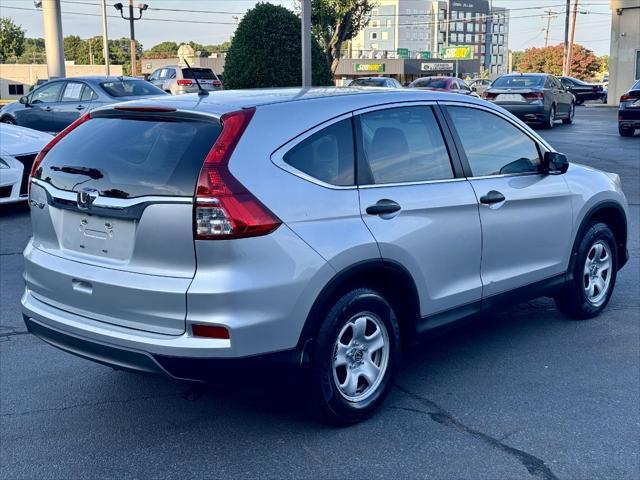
(4, 162)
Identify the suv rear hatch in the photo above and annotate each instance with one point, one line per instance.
(113, 203)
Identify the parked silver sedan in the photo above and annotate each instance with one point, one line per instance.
(323, 227)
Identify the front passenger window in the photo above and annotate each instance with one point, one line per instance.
(493, 146)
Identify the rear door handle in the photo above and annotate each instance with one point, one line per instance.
(492, 197)
(384, 206)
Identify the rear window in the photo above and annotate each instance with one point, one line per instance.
(131, 157)
(431, 83)
(199, 73)
(521, 81)
(636, 86)
(369, 82)
(130, 88)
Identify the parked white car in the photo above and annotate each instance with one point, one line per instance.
(19, 147)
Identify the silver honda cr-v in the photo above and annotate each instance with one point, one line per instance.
(323, 227)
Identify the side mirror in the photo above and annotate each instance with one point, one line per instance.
(555, 163)
(24, 100)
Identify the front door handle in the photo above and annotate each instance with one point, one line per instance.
(80, 107)
(47, 109)
(383, 207)
(492, 197)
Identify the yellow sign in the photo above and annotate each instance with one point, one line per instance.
(460, 52)
(369, 67)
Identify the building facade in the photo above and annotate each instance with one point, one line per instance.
(624, 55)
(421, 29)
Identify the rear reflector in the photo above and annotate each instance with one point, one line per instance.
(52, 143)
(210, 331)
(184, 82)
(224, 208)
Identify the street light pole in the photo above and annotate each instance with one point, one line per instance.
(105, 38)
(306, 43)
(132, 46)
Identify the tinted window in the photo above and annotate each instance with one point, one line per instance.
(430, 83)
(404, 145)
(369, 82)
(72, 92)
(519, 81)
(199, 73)
(88, 94)
(126, 157)
(47, 94)
(326, 155)
(130, 88)
(493, 146)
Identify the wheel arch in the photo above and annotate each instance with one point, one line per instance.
(387, 277)
(613, 215)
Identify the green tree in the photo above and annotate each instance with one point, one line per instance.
(33, 51)
(517, 55)
(162, 48)
(265, 51)
(584, 64)
(11, 40)
(334, 22)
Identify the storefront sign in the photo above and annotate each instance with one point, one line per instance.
(437, 67)
(369, 67)
(402, 52)
(464, 52)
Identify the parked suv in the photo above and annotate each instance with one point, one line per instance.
(177, 80)
(322, 227)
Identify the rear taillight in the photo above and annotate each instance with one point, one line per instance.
(217, 83)
(625, 97)
(224, 208)
(53, 142)
(185, 82)
(534, 96)
(488, 95)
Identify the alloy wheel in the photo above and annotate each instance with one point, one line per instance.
(597, 273)
(360, 356)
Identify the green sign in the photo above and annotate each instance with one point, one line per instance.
(459, 52)
(368, 67)
(403, 52)
(425, 55)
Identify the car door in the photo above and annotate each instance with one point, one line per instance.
(70, 106)
(37, 113)
(423, 215)
(564, 98)
(526, 216)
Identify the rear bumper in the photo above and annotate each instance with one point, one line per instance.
(183, 357)
(629, 117)
(527, 113)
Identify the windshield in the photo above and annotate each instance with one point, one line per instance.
(431, 83)
(130, 88)
(520, 81)
(369, 82)
(199, 73)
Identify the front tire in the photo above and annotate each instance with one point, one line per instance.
(625, 131)
(572, 112)
(594, 275)
(355, 357)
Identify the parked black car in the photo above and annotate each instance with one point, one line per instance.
(536, 98)
(629, 111)
(58, 103)
(584, 91)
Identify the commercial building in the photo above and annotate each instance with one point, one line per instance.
(624, 56)
(213, 61)
(17, 78)
(422, 29)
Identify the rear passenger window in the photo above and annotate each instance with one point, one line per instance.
(326, 155)
(493, 146)
(404, 145)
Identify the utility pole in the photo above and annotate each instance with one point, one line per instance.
(550, 14)
(90, 52)
(573, 34)
(566, 36)
(132, 44)
(51, 16)
(105, 38)
(306, 43)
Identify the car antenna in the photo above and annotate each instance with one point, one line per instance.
(201, 91)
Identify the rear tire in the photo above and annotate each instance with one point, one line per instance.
(355, 357)
(579, 102)
(594, 275)
(572, 112)
(551, 118)
(8, 120)
(626, 132)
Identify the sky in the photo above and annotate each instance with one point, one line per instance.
(82, 17)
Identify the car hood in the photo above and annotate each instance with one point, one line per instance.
(16, 140)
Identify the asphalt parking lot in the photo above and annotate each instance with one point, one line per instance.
(521, 393)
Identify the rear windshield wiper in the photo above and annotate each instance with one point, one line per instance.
(93, 173)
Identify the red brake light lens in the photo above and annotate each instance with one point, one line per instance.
(210, 331)
(224, 208)
(185, 82)
(625, 97)
(53, 142)
(534, 96)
